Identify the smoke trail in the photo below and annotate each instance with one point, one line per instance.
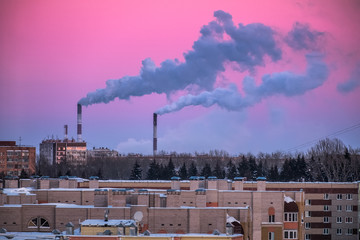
(282, 83)
(220, 41)
(301, 37)
(227, 98)
(352, 83)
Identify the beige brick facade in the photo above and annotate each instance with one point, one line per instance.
(259, 207)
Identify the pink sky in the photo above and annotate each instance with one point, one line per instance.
(55, 52)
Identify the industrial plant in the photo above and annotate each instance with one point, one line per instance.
(55, 151)
(237, 208)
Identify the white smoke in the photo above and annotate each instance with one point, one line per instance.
(220, 41)
(283, 83)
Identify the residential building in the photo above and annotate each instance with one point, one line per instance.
(56, 151)
(15, 158)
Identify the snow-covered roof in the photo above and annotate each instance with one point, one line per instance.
(17, 191)
(230, 219)
(137, 181)
(288, 199)
(110, 222)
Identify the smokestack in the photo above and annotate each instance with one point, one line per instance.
(66, 132)
(155, 134)
(79, 123)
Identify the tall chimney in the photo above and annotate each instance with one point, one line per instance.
(66, 132)
(155, 134)
(79, 123)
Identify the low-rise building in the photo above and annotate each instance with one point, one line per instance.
(102, 153)
(255, 210)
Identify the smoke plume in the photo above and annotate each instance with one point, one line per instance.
(282, 83)
(301, 37)
(352, 83)
(220, 42)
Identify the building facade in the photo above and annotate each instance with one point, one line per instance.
(14, 159)
(256, 210)
(102, 153)
(58, 151)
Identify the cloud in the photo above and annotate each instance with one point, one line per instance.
(352, 83)
(302, 37)
(220, 42)
(282, 83)
(135, 146)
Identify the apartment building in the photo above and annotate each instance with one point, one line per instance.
(56, 151)
(15, 158)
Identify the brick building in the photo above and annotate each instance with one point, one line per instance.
(256, 210)
(14, 158)
(57, 151)
(102, 153)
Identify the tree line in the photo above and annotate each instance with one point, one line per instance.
(328, 160)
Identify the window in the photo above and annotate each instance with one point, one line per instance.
(271, 213)
(307, 237)
(326, 219)
(339, 208)
(349, 208)
(339, 197)
(349, 196)
(307, 225)
(348, 220)
(338, 231)
(338, 219)
(307, 214)
(326, 196)
(308, 202)
(349, 231)
(271, 236)
(326, 231)
(290, 234)
(326, 208)
(290, 217)
(38, 222)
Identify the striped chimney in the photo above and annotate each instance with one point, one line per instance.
(79, 123)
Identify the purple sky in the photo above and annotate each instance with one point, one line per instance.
(287, 75)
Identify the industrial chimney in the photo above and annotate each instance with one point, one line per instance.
(155, 135)
(66, 132)
(79, 123)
